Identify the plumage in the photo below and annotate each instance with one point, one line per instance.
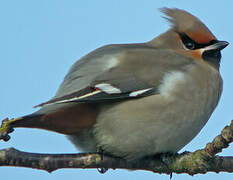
(136, 100)
(185, 22)
(128, 77)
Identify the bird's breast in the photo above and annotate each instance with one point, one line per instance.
(199, 86)
(164, 122)
(189, 98)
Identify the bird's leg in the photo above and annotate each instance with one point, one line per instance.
(101, 152)
(163, 157)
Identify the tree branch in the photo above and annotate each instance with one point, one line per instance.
(200, 161)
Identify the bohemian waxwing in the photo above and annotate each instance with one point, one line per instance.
(136, 100)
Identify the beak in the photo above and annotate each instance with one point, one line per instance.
(219, 45)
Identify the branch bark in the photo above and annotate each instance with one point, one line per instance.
(200, 161)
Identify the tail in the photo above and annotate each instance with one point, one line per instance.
(28, 121)
(39, 121)
(68, 120)
(9, 125)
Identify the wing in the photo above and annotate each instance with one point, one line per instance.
(119, 72)
(99, 93)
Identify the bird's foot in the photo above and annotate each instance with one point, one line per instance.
(164, 158)
(185, 152)
(101, 170)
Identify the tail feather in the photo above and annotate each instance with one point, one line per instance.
(41, 121)
(28, 121)
(67, 120)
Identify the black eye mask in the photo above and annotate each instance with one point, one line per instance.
(191, 44)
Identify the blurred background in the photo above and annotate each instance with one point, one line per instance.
(40, 40)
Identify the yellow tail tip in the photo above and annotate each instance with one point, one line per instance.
(6, 128)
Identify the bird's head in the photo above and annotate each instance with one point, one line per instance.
(189, 36)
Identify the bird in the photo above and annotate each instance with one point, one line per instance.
(137, 100)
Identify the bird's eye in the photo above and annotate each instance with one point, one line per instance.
(189, 45)
(187, 41)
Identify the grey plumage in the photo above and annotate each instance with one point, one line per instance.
(136, 100)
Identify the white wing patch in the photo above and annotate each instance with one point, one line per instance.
(139, 92)
(108, 88)
(170, 81)
(111, 61)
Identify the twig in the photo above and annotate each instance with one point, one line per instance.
(200, 161)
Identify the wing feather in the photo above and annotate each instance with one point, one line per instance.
(138, 73)
(95, 95)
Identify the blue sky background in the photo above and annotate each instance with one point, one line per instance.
(40, 40)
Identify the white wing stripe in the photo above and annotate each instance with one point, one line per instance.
(75, 98)
(137, 93)
(104, 87)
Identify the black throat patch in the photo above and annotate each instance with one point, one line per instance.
(213, 57)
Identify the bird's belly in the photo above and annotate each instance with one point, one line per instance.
(155, 124)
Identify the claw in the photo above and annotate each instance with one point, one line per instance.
(102, 170)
